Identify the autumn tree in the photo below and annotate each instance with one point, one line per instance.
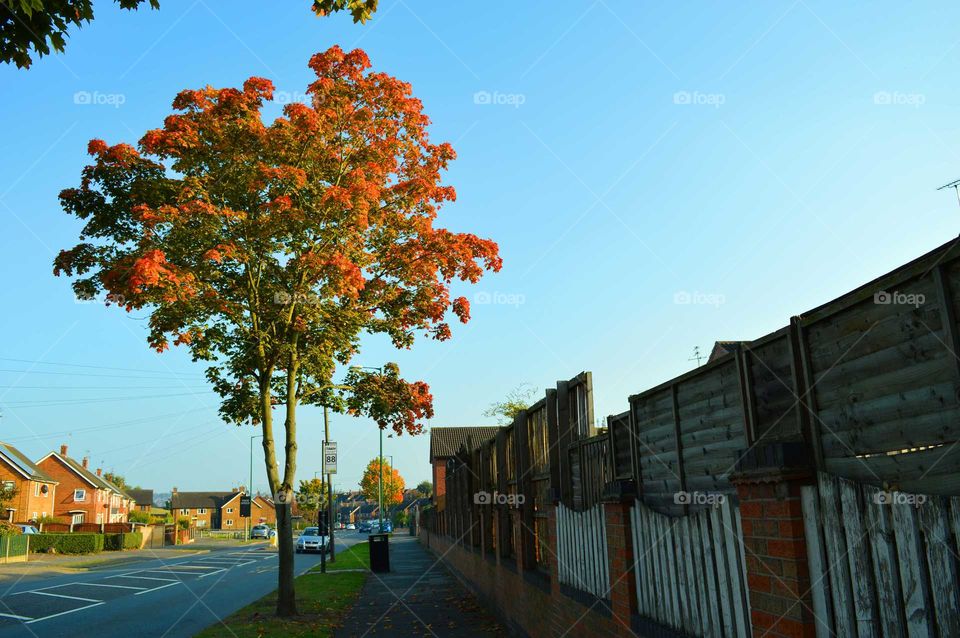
(31, 28)
(393, 484)
(269, 248)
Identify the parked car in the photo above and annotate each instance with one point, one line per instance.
(364, 527)
(351, 526)
(27, 529)
(387, 527)
(260, 531)
(310, 540)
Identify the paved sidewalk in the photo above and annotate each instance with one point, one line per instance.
(419, 597)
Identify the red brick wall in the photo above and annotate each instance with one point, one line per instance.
(776, 557)
(68, 482)
(27, 501)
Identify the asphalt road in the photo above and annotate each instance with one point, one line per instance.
(169, 598)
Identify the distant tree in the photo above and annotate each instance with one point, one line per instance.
(393, 484)
(425, 488)
(311, 496)
(139, 516)
(516, 401)
(118, 480)
(7, 494)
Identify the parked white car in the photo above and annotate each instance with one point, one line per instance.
(310, 540)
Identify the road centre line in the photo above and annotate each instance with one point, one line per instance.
(62, 613)
(47, 593)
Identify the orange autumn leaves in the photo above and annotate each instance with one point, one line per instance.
(267, 245)
(393, 483)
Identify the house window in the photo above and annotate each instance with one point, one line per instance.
(36, 489)
(77, 518)
(99, 518)
(184, 511)
(201, 523)
(229, 522)
(202, 510)
(229, 510)
(79, 495)
(8, 485)
(34, 516)
(44, 514)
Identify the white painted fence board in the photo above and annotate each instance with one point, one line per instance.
(858, 557)
(885, 573)
(681, 575)
(723, 577)
(816, 561)
(912, 578)
(941, 564)
(732, 545)
(837, 566)
(710, 577)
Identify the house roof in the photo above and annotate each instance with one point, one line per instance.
(194, 500)
(142, 497)
(446, 442)
(92, 479)
(722, 348)
(22, 465)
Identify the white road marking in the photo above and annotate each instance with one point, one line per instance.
(16, 616)
(168, 571)
(106, 585)
(212, 573)
(147, 591)
(62, 613)
(47, 593)
(166, 580)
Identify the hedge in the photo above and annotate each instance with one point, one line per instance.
(129, 540)
(67, 543)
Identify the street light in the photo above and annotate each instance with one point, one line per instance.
(380, 459)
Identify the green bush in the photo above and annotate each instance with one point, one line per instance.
(117, 542)
(67, 543)
(9, 529)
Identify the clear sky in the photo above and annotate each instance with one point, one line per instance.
(757, 159)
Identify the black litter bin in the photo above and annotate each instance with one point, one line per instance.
(379, 552)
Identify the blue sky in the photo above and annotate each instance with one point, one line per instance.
(625, 155)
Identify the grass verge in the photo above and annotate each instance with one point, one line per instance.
(322, 600)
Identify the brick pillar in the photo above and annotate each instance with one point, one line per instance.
(618, 500)
(768, 482)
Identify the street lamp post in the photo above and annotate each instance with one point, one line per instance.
(246, 525)
(380, 458)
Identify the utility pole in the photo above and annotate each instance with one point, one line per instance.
(246, 524)
(326, 440)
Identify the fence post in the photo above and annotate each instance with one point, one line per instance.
(618, 499)
(768, 481)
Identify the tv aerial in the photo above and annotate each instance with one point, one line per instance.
(955, 185)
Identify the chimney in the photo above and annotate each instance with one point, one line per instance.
(174, 490)
(86, 462)
(99, 472)
(63, 450)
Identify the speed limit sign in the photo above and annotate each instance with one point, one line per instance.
(330, 458)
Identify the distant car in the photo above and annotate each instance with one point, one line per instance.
(260, 531)
(351, 526)
(310, 540)
(364, 526)
(28, 529)
(387, 527)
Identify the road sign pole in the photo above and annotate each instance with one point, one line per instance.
(326, 443)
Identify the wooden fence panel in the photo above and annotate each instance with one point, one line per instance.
(690, 570)
(896, 574)
(582, 553)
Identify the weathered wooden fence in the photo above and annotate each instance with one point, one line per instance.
(882, 563)
(582, 550)
(14, 549)
(691, 570)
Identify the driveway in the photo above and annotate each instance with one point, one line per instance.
(175, 597)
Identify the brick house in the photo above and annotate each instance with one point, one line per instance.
(121, 503)
(142, 500)
(267, 512)
(445, 443)
(82, 497)
(204, 508)
(36, 490)
(230, 518)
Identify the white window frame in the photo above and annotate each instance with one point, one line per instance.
(229, 510)
(83, 495)
(184, 511)
(202, 510)
(78, 518)
(9, 485)
(229, 522)
(36, 489)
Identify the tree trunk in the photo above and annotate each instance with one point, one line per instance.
(286, 597)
